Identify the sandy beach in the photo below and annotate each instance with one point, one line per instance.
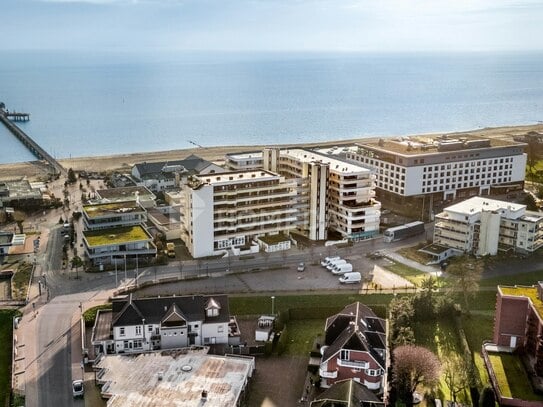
(123, 162)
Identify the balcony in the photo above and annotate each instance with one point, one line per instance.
(372, 385)
(328, 375)
(353, 364)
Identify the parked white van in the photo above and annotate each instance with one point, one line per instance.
(342, 268)
(336, 263)
(350, 278)
(327, 260)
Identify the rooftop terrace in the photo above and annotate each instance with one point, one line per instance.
(113, 236)
(174, 378)
(524, 291)
(105, 209)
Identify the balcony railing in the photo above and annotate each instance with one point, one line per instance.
(327, 374)
(354, 364)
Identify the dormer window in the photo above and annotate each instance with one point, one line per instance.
(212, 308)
(213, 312)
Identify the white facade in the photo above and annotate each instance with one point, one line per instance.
(338, 195)
(115, 214)
(232, 209)
(483, 226)
(243, 161)
(437, 165)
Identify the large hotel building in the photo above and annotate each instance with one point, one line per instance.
(441, 168)
(296, 190)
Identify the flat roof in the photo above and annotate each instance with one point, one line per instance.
(478, 204)
(6, 238)
(102, 326)
(336, 165)
(125, 193)
(245, 155)
(237, 176)
(104, 237)
(112, 208)
(426, 145)
(175, 377)
(529, 292)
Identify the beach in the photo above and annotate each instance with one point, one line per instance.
(34, 170)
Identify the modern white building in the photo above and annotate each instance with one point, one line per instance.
(115, 214)
(483, 226)
(106, 246)
(231, 209)
(336, 195)
(250, 160)
(442, 168)
(143, 324)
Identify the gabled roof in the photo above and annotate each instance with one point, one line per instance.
(192, 164)
(212, 303)
(154, 310)
(129, 315)
(356, 327)
(347, 393)
(174, 317)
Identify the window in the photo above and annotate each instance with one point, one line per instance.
(220, 329)
(344, 354)
(138, 330)
(150, 328)
(121, 331)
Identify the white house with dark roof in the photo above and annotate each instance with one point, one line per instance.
(354, 347)
(162, 175)
(144, 324)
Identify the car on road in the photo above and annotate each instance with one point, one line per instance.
(77, 388)
(301, 266)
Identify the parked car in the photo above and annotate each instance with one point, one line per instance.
(77, 388)
(342, 268)
(336, 263)
(350, 278)
(301, 266)
(329, 259)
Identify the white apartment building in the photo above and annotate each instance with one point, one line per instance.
(483, 226)
(231, 209)
(250, 160)
(442, 167)
(335, 194)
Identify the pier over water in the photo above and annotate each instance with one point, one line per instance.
(35, 148)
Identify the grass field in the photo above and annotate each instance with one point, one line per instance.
(512, 378)
(6, 317)
(413, 275)
(302, 334)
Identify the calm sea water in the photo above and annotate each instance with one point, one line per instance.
(95, 104)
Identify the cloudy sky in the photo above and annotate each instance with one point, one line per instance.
(273, 25)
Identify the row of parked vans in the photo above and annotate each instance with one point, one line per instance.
(339, 266)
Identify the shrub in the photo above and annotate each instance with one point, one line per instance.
(90, 315)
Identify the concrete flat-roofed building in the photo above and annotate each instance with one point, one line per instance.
(483, 226)
(232, 209)
(135, 193)
(337, 195)
(250, 160)
(163, 175)
(115, 214)
(105, 246)
(442, 168)
(185, 377)
(19, 193)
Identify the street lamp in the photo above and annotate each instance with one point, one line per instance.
(273, 304)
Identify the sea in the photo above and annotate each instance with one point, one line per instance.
(101, 103)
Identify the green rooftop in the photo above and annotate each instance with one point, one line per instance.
(274, 239)
(97, 210)
(524, 291)
(115, 236)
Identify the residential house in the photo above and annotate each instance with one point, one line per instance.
(145, 324)
(163, 175)
(354, 348)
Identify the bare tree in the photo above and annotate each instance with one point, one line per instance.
(412, 366)
(455, 374)
(19, 217)
(466, 273)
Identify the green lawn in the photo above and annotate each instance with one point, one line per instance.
(413, 275)
(254, 305)
(512, 378)
(515, 279)
(6, 318)
(301, 335)
(479, 328)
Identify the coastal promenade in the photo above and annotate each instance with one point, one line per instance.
(29, 143)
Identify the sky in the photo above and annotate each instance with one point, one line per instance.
(273, 25)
